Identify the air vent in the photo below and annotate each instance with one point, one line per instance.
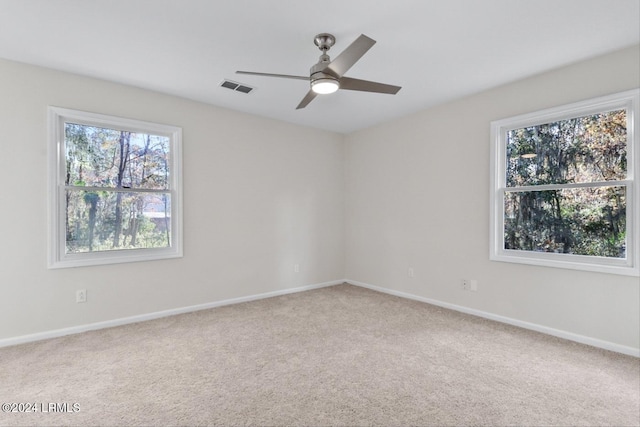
(238, 87)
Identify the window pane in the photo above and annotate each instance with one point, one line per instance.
(99, 157)
(585, 149)
(108, 220)
(580, 221)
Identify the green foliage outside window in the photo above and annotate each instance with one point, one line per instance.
(577, 212)
(116, 189)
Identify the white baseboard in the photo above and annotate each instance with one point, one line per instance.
(156, 315)
(631, 351)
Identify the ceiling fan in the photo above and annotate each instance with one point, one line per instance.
(327, 76)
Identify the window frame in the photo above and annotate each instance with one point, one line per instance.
(57, 256)
(628, 100)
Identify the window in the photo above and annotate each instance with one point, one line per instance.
(115, 190)
(565, 187)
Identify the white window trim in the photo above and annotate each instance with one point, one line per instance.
(57, 256)
(629, 266)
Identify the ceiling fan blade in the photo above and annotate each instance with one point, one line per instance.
(284, 76)
(350, 55)
(367, 86)
(307, 99)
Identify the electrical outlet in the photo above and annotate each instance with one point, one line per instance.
(81, 295)
(410, 272)
(465, 284)
(473, 285)
(296, 268)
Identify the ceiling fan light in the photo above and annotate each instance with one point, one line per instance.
(324, 85)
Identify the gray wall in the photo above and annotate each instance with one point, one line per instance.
(418, 196)
(259, 197)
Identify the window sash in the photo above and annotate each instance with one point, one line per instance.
(584, 259)
(116, 189)
(544, 187)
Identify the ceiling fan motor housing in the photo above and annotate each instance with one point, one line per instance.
(321, 80)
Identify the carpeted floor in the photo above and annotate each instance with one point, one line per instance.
(341, 355)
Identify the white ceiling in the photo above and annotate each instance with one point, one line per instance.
(437, 50)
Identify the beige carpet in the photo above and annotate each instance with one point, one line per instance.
(334, 356)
